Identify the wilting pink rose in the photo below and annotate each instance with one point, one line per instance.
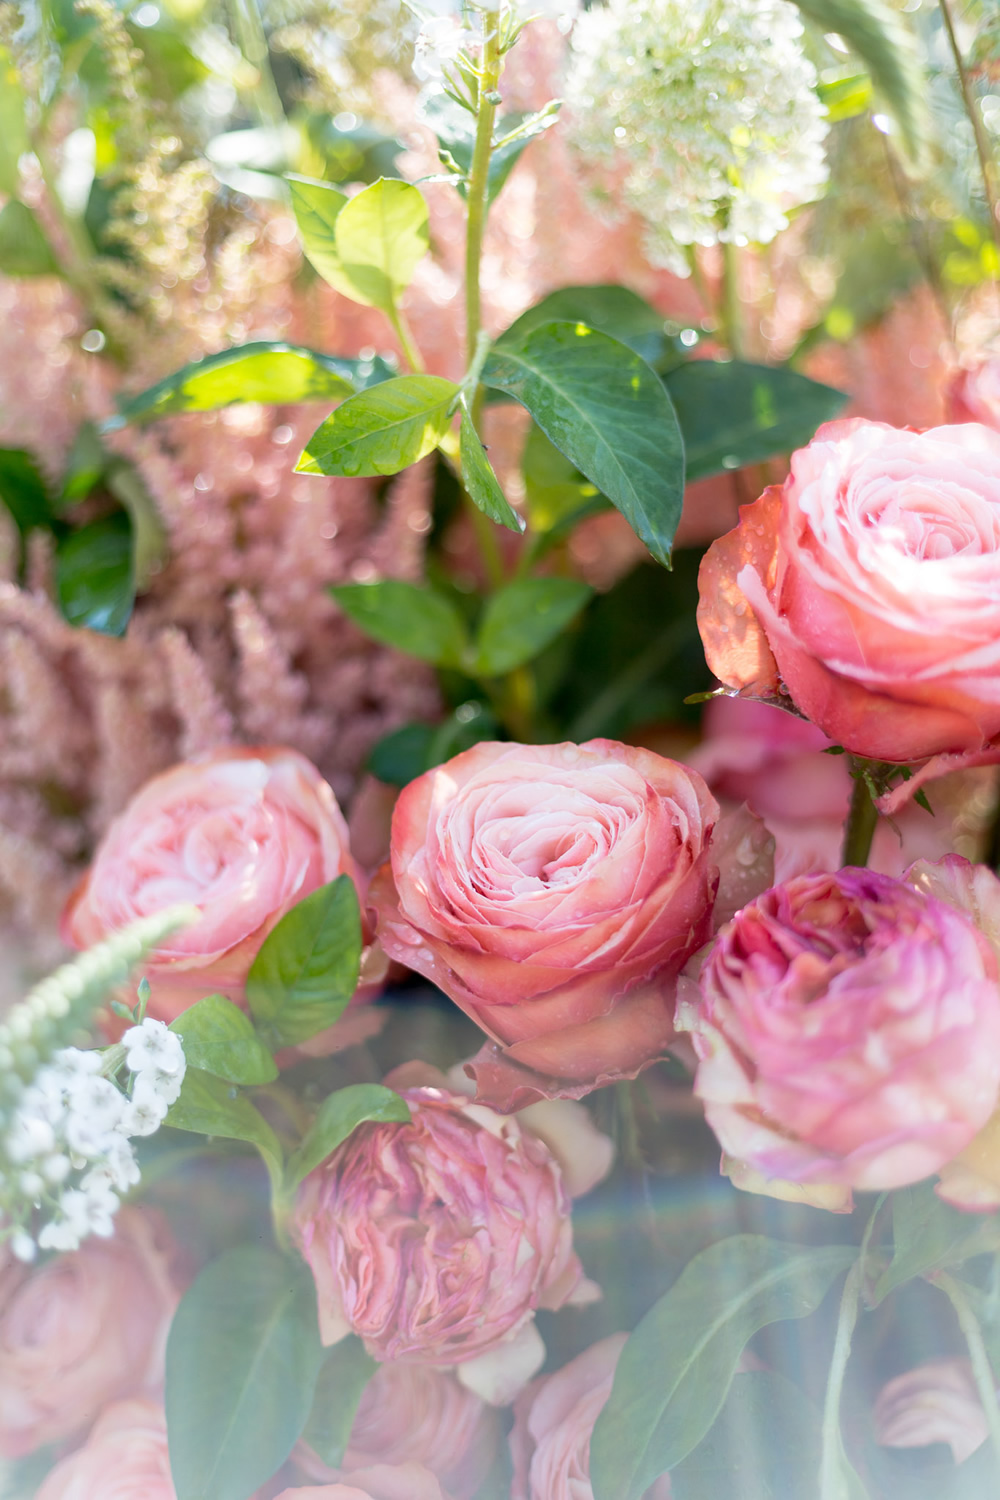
(380, 1482)
(124, 1458)
(973, 395)
(848, 1035)
(867, 588)
(81, 1330)
(553, 891)
(936, 1402)
(241, 834)
(435, 1241)
(553, 1424)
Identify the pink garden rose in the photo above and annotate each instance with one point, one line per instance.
(435, 1241)
(81, 1330)
(553, 891)
(867, 589)
(936, 1402)
(241, 834)
(380, 1482)
(973, 394)
(847, 1028)
(553, 1423)
(124, 1458)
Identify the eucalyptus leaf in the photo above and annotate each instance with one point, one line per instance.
(345, 1372)
(24, 248)
(382, 235)
(339, 1115)
(307, 969)
(608, 412)
(95, 574)
(210, 1106)
(243, 1357)
(677, 1367)
(382, 430)
(927, 1235)
(524, 617)
(220, 1039)
(416, 620)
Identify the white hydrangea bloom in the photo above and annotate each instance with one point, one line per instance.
(700, 116)
(449, 28)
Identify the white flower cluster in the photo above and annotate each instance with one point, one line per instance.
(65, 1152)
(450, 29)
(700, 116)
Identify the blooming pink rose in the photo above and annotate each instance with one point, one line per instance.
(435, 1241)
(936, 1402)
(973, 395)
(553, 1424)
(848, 1034)
(380, 1482)
(553, 891)
(867, 588)
(241, 834)
(81, 1330)
(124, 1458)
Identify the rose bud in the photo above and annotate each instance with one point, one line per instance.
(553, 891)
(82, 1330)
(380, 1482)
(847, 1028)
(867, 589)
(936, 1402)
(241, 834)
(124, 1458)
(435, 1241)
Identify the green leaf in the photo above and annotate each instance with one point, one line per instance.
(456, 133)
(558, 495)
(220, 1039)
(399, 757)
(149, 535)
(524, 617)
(172, 66)
(345, 1372)
(24, 249)
(927, 1234)
(610, 309)
(765, 1444)
(272, 373)
(602, 406)
(88, 461)
(95, 575)
(307, 968)
(413, 619)
(24, 491)
(732, 413)
(317, 206)
(382, 430)
(209, 1106)
(339, 1115)
(479, 479)
(382, 236)
(242, 1361)
(13, 129)
(678, 1365)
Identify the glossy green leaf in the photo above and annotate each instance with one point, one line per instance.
(607, 411)
(88, 461)
(765, 1443)
(479, 479)
(317, 206)
(210, 1106)
(558, 495)
(220, 1039)
(382, 236)
(95, 575)
(24, 249)
(414, 619)
(243, 1357)
(927, 1234)
(13, 129)
(307, 968)
(677, 1367)
(272, 373)
(345, 1372)
(339, 1115)
(733, 413)
(149, 535)
(24, 491)
(524, 617)
(614, 310)
(382, 430)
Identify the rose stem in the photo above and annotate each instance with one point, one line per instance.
(861, 820)
(831, 1485)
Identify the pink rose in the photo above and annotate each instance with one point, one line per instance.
(973, 395)
(867, 588)
(241, 834)
(81, 1330)
(848, 1035)
(380, 1482)
(553, 891)
(435, 1241)
(124, 1458)
(553, 1424)
(936, 1402)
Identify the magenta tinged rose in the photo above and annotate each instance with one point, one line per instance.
(867, 589)
(82, 1330)
(848, 1036)
(124, 1458)
(435, 1241)
(936, 1402)
(380, 1482)
(553, 891)
(243, 835)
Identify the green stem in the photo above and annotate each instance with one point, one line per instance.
(732, 307)
(981, 1368)
(832, 1462)
(407, 343)
(975, 120)
(252, 42)
(861, 820)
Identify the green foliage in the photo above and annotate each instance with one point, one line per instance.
(408, 752)
(927, 1234)
(242, 1361)
(524, 617)
(307, 968)
(24, 249)
(765, 1443)
(456, 133)
(607, 411)
(382, 430)
(95, 574)
(416, 620)
(340, 1114)
(345, 1372)
(366, 247)
(610, 309)
(677, 1367)
(273, 373)
(210, 1106)
(558, 495)
(733, 413)
(220, 1039)
(317, 206)
(13, 130)
(481, 483)
(24, 491)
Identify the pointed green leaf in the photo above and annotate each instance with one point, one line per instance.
(95, 575)
(23, 490)
(608, 412)
(524, 617)
(316, 206)
(218, 1038)
(415, 620)
(307, 968)
(24, 249)
(927, 1234)
(339, 1115)
(610, 309)
(382, 236)
(382, 430)
(677, 1367)
(479, 479)
(456, 133)
(345, 1372)
(242, 1361)
(210, 1106)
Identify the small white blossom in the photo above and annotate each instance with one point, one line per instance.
(23, 1247)
(58, 1234)
(119, 1167)
(28, 1136)
(96, 1111)
(152, 1046)
(74, 1060)
(55, 1169)
(32, 1185)
(439, 42)
(147, 1109)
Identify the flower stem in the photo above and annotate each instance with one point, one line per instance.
(861, 820)
(975, 120)
(981, 1369)
(732, 307)
(407, 343)
(832, 1462)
